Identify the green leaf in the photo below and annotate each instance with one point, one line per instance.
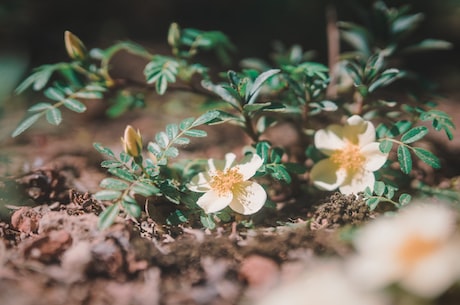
(181, 141)
(258, 82)
(171, 152)
(162, 139)
(172, 130)
(40, 107)
(205, 118)
(427, 157)
(110, 163)
(372, 202)
(186, 124)
(122, 173)
(262, 149)
(177, 217)
(131, 208)
(385, 146)
(196, 133)
(54, 116)
(208, 221)
(107, 195)
(25, 124)
(104, 150)
(379, 188)
(145, 189)
(113, 184)
(414, 134)
(227, 94)
(74, 105)
(107, 217)
(279, 172)
(404, 199)
(404, 159)
(38, 79)
(54, 94)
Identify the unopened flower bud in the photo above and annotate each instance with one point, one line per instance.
(74, 46)
(132, 142)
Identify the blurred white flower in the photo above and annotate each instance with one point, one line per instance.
(353, 156)
(417, 248)
(227, 184)
(325, 283)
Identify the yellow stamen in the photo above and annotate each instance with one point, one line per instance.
(223, 181)
(350, 158)
(416, 248)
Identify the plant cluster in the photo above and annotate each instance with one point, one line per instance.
(368, 146)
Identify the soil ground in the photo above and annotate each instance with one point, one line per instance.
(51, 251)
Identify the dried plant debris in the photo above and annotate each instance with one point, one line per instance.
(340, 210)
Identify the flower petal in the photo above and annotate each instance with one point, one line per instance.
(358, 131)
(200, 183)
(229, 160)
(326, 175)
(375, 159)
(330, 139)
(212, 202)
(358, 183)
(249, 166)
(248, 198)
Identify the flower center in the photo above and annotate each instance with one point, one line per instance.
(223, 181)
(350, 158)
(416, 248)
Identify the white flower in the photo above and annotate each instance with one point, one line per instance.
(227, 184)
(326, 283)
(417, 248)
(353, 156)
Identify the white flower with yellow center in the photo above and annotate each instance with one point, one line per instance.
(417, 248)
(353, 157)
(227, 184)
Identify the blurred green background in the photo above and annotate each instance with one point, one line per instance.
(31, 31)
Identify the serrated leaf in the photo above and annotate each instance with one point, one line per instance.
(145, 189)
(113, 184)
(110, 163)
(385, 146)
(414, 134)
(427, 157)
(196, 133)
(154, 148)
(38, 79)
(181, 141)
(107, 217)
(54, 94)
(107, 195)
(122, 173)
(171, 152)
(404, 159)
(205, 118)
(172, 130)
(186, 123)
(162, 139)
(54, 116)
(40, 107)
(74, 105)
(103, 150)
(25, 124)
